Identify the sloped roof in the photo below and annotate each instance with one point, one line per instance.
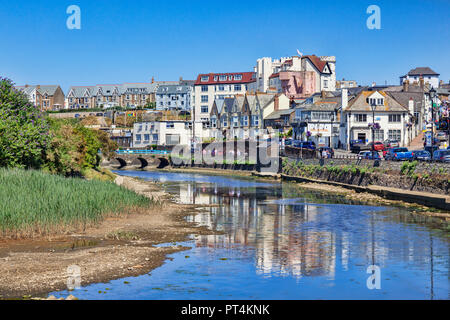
(252, 102)
(404, 97)
(149, 87)
(264, 99)
(173, 89)
(219, 105)
(360, 103)
(319, 64)
(422, 71)
(43, 89)
(247, 77)
(79, 91)
(277, 114)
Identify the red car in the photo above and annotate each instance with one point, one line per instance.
(379, 146)
(386, 151)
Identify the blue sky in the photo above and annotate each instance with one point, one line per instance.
(131, 41)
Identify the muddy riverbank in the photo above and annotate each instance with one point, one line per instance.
(119, 247)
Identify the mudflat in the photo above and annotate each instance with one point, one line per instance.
(118, 247)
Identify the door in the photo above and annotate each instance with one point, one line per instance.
(362, 137)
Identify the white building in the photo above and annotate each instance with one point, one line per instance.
(267, 71)
(415, 76)
(212, 86)
(395, 120)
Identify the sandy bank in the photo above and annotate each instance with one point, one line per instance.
(118, 247)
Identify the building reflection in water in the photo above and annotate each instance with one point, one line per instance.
(299, 237)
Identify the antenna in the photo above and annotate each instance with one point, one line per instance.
(299, 53)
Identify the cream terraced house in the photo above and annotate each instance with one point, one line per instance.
(106, 96)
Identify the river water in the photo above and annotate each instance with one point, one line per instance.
(284, 242)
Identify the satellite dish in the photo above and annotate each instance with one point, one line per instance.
(299, 53)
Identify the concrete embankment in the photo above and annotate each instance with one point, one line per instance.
(424, 198)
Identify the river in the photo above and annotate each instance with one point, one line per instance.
(283, 242)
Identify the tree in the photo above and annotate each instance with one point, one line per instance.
(24, 131)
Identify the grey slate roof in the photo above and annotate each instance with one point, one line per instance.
(422, 71)
(148, 88)
(45, 89)
(278, 114)
(219, 104)
(173, 89)
(360, 104)
(79, 91)
(404, 97)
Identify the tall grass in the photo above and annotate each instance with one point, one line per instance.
(36, 203)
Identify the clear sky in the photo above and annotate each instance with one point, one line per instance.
(131, 41)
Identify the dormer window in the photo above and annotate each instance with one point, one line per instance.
(216, 78)
(223, 78)
(238, 77)
(204, 79)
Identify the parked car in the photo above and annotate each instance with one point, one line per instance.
(77, 115)
(442, 136)
(370, 155)
(399, 154)
(441, 155)
(422, 155)
(377, 146)
(304, 144)
(357, 146)
(391, 143)
(99, 114)
(328, 150)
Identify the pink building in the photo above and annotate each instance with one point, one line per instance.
(294, 84)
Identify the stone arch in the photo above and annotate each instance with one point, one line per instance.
(163, 162)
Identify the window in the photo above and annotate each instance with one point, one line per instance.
(216, 78)
(378, 134)
(204, 109)
(360, 117)
(321, 115)
(231, 78)
(238, 77)
(204, 88)
(221, 87)
(223, 78)
(213, 122)
(204, 98)
(170, 125)
(325, 83)
(138, 137)
(172, 139)
(235, 121)
(237, 87)
(204, 79)
(255, 121)
(146, 137)
(224, 122)
(380, 101)
(246, 121)
(395, 117)
(395, 135)
(155, 137)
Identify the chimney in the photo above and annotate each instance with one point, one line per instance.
(153, 79)
(323, 94)
(411, 106)
(421, 82)
(406, 85)
(441, 83)
(38, 86)
(181, 79)
(344, 99)
(374, 84)
(26, 86)
(276, 105)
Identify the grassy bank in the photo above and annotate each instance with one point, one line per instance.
(33, 203)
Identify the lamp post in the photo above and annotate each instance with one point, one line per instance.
(432, 94)
(373, 106)
(331, 130)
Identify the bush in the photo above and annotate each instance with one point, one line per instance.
(24, 131)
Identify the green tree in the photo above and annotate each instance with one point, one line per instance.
(24, 131)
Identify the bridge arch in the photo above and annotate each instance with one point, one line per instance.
(144, 162)
(122, 163)
(163, 162)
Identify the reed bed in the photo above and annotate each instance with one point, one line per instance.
(34, 203)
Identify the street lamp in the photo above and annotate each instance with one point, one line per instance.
(373, 106)
(432, 94)
(331, 130)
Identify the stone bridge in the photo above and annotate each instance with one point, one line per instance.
(137, 161)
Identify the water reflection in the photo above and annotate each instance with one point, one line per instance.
(286, 232)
